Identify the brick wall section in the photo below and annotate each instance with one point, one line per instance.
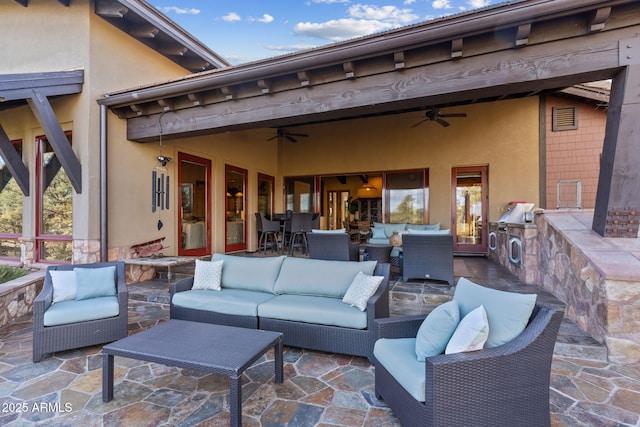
(575, 154)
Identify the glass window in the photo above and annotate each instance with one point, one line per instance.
(265, 194)
(10, 210)
(299, 194)
(55, 197)
(407, 197)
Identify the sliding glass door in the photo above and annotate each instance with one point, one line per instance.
(236, 225)
(469, 209)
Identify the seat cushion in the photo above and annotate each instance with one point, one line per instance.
(507, 312)
(398, 356)
(250, 273)
(67, 312)
(313, 309)
(238, 302)
(304, 276)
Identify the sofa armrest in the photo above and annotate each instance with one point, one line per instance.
(378, 304)
(181, 285)
(399, 327)
(43, 301)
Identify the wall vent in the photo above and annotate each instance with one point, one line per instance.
(565, 118)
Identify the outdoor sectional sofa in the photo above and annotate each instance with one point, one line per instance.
(300, 297)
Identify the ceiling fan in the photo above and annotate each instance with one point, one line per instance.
(436, 115)
(289, 136)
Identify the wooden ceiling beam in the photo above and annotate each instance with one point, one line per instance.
(145, 31)
(600, 17)
(488, 76)
(522, 35)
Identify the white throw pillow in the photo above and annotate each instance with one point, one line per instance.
(471, 333)
(208, 275)
(64, 284)
(361, 289)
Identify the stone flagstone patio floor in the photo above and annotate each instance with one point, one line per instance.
(320, 389)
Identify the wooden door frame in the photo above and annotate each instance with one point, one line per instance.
(480, 248)
(209, 212)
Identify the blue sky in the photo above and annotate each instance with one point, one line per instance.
(248, 30)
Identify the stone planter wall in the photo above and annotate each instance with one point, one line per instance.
(17, 296)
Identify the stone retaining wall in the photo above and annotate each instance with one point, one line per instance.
(17, 296)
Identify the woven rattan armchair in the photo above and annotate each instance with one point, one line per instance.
(333, 246)
(505, 386)
(51, 339)
(427, 257)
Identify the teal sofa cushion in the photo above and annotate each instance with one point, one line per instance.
(313, 309)
(508, 312)
(250, 273)
(436, 330)
(239, 302)
(398, 356)
(95, 282)
(304, 276)
(423, 226)
(66, 312)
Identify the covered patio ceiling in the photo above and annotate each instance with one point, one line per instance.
(512, 49)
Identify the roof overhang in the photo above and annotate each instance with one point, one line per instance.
(512, 49)
(147, 25)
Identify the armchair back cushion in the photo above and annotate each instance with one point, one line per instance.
(64, 285)
(303, 276)
(250, 273)
(508, 313)
(436, 330)
(95, 282)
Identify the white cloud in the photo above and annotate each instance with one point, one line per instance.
(409, 1)
(181, 10)
(340, 29)
(384, 13)
(479, 3)
(331, 1)
(265, 19)
(231, 17)
(441, 4)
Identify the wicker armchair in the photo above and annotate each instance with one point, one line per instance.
(427, 257)
(50, 339)
(505, 386)
(333, 246)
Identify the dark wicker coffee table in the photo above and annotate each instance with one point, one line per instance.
(216, 349)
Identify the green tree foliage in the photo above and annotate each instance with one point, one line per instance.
(406, 212)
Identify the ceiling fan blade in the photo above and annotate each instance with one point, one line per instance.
(298, 134)
(420, 122)
(290, 138)
(273, 137)
(454, 115)
(442, 122)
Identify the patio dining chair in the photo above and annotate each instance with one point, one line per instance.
(301, 223)
(268, 233)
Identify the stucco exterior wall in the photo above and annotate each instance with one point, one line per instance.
(111, 60)
(503, 135)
